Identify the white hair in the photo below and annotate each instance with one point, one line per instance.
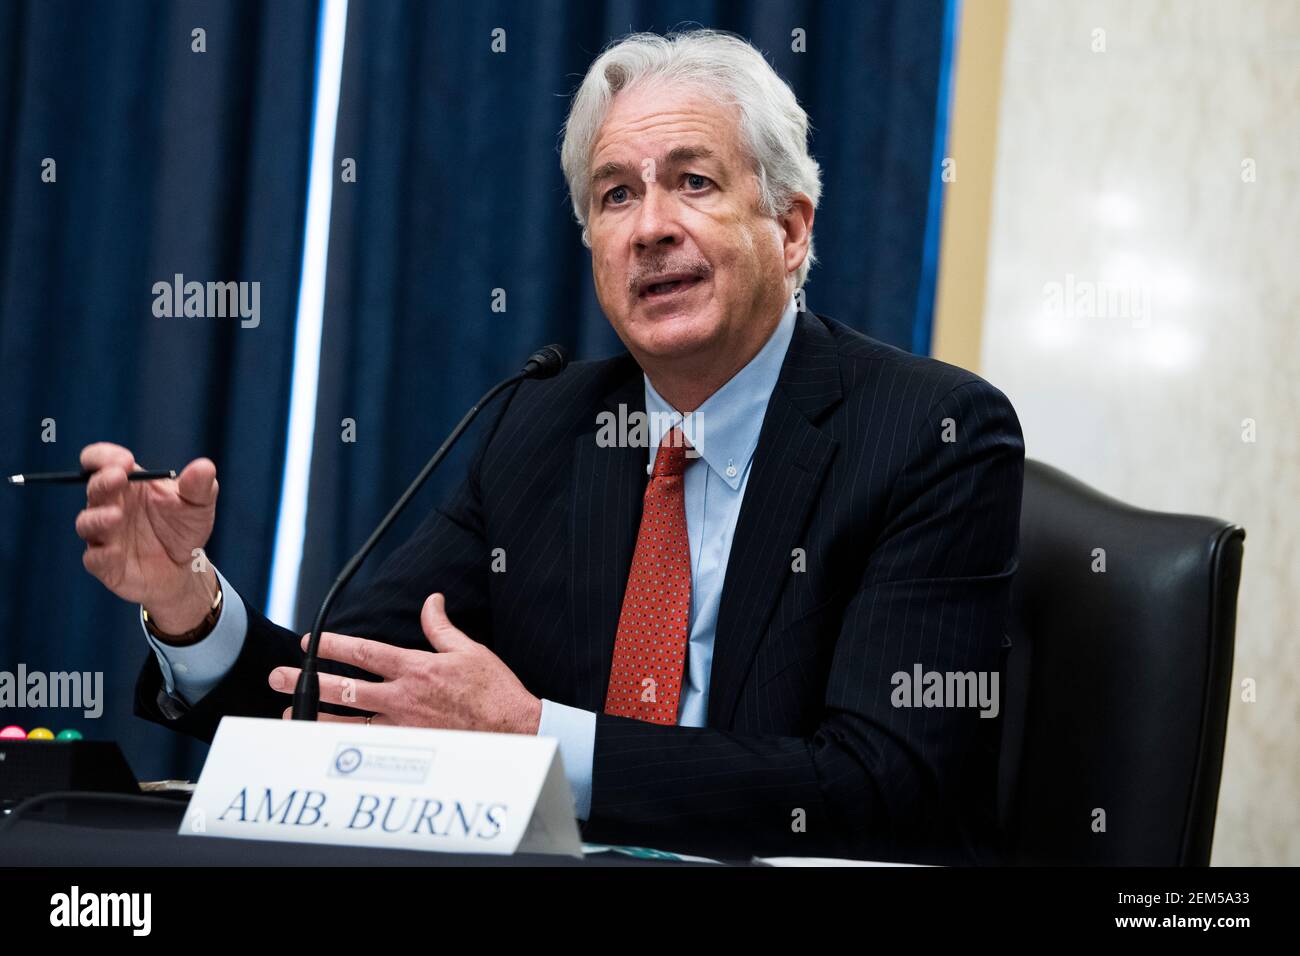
(773, 126)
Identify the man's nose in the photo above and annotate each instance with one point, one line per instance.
(657, 223)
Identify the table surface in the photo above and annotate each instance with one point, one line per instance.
(113, 830)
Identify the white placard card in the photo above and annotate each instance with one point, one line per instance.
(403, 787)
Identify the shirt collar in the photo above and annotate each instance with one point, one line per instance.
(724, 430)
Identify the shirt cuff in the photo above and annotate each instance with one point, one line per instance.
(191, 671)
(575, 731)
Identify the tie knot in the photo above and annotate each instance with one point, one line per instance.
(671, 459)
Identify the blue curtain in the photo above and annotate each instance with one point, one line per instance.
(167, 161)
(458, 192)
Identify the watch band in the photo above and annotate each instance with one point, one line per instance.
(195, 634)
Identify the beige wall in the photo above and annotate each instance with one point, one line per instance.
(968, 188)
(1126, 172)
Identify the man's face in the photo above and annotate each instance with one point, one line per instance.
(685, 262)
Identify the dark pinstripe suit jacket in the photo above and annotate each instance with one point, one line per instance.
(866, 544)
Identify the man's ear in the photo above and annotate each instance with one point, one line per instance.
(796, 230)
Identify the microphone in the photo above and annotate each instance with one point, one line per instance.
(546, 362)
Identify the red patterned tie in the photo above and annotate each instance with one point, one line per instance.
(645, 679)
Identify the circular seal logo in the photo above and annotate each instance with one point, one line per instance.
(347, 760)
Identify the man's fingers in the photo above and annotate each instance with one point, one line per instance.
(105, 454)
(98, 560)
(94, 524)
(106, 486)
(335, 718)
(197, 483)
(441, 633)
(345, 691)
(373, 656)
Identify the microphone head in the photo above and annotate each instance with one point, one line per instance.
(546, 362)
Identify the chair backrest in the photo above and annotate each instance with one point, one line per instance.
(1118, 680)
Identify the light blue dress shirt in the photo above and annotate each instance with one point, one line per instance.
(724, 431)
(190, 672)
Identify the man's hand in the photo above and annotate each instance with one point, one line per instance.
(462, 687)
(141, 537)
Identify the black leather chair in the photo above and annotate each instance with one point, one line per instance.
(1117, 682)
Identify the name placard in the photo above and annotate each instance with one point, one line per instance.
(405, 787)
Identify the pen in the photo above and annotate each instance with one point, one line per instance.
(81, 477)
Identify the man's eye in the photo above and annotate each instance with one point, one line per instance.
(704, 181)
(610, 196)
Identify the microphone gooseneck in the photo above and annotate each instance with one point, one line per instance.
(546, 362)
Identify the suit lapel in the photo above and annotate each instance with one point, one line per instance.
(608, 488)
(790, 462)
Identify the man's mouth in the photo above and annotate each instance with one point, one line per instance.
(669, 286)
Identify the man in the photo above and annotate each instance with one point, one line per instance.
(714, 615)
